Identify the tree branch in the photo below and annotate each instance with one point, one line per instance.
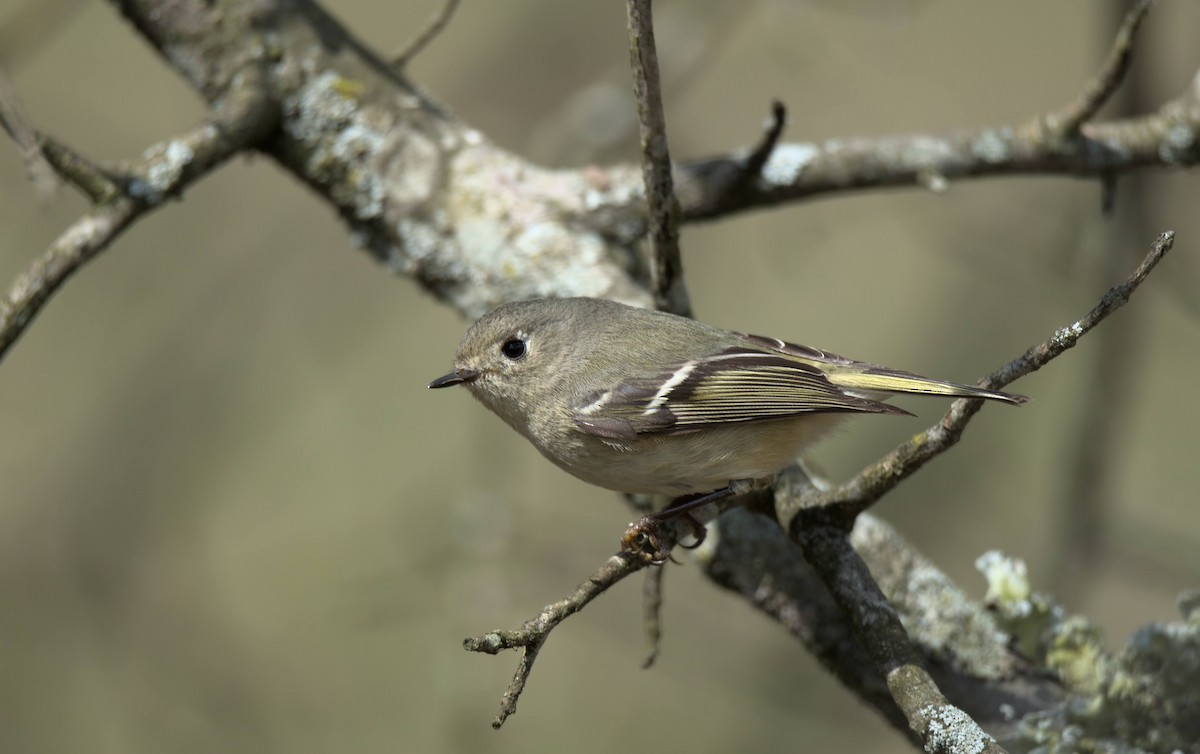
(477, 226)
(434, 200)
(670, 293)
(940, 726)
(533, 634)
(436, 26)
(1100, 89)
(958, 640)
(167, 169)
(16, 123)
(855, 496)
(652, 601)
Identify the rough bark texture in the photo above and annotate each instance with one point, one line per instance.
(433, 199)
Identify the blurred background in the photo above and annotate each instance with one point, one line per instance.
(233, 519)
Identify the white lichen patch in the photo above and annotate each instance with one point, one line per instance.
(1116, 147)
(412, 172)
(1178, 142)
(317, 108)
(420, 240)
(354, 145)
(788, 162)
(1007, 579)
(934, 181)
(951, 729)
(166, 165)
(515, 232)
(347, 142)
(992, 146)
(623, 190)
(927, 152)
(1069, 334)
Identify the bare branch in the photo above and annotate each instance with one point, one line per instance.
(796, 171)
(16, 123)
(731, 176)
(670, 294)
(771, 132)
(652, 601)
(167, 169)
(436, 25)
(858, 494)
(1114, 376)
(405, 174)
(98, 183)
(533, 634)
(46, 157)
(1096, 92)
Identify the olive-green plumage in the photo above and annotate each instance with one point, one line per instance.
(637, 400)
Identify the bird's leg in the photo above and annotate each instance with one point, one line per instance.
(682, 506)
(646, 536)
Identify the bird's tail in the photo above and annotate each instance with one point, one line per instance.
(872, 379)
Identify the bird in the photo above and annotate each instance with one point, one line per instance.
(644, 401)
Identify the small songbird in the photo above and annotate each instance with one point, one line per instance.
(637, 400)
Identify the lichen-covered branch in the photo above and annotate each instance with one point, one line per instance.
(941, 727)
(434, 200)
(966, 652)
(164, 171)
(476, 225)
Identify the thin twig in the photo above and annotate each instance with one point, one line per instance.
(16, 123)
(652, 601)
(670, 294)
(736, 174)
(244, 117)
(1098, 90)
(848, 500)
(98, 183)
(771, 132)
(435, 27)
(46, 157)
(533, 634)
(1114, 377)
(941, 726)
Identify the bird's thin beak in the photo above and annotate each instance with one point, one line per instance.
(457, 377)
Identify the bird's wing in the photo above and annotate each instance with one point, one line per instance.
(861, 377)
(748, 382)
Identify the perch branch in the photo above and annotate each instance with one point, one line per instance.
(534, 632)
(652, 600)
(404, 173)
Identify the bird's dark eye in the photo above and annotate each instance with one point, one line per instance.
(513, 348)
